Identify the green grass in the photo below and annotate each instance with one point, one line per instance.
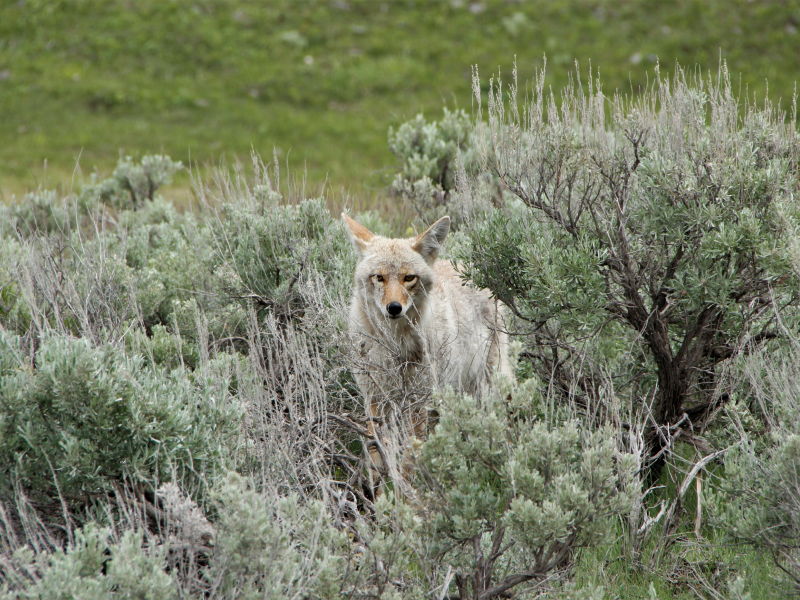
(207, 79)
(686, 572)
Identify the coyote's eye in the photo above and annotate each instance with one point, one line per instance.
(410, 277)
(379, 278)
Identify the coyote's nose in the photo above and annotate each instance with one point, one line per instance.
(394, 309)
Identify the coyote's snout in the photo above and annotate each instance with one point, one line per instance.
(417, 328)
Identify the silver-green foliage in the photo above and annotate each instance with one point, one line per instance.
(42, 211)
(274, 547)
(759, 500)
(276, 251)
(430, 149)
(512, 493)
(431, 154)
(264, 545)
(95, 566)
(132, 182)
(172, 290)
(160, 268)
(650, 238)
(144, 346)
(85, 417)
(283, 254)
(168, 265)
(95, 277)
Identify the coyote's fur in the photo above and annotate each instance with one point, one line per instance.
(417, 328)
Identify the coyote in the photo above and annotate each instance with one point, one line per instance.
(417, 328)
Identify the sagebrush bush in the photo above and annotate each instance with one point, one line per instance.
(274, 547)
(507, 487)
(759, 498)
(132, 183)
(14, 312)
(275, 250)
(430, 149)
(84, 418)
(650, 238)
(430, 154)
(95, 566)
(40, 211)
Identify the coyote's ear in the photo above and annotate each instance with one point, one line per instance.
(359, 235)
(429, 243)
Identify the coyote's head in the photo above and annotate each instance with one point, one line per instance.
(394, 276)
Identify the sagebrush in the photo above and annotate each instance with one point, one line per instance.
(179, 417)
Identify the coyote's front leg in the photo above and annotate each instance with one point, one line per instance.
(394, 433)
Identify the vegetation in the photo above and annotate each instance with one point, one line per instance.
(84, 81)
(510, 488)
(178, 417)
(669, 230)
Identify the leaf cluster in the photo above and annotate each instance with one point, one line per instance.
(86, 418)
(510, 488)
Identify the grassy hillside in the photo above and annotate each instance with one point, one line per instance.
(322, 81)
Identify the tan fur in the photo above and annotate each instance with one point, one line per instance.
(446, 334)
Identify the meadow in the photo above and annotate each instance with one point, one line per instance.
(83, 82)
